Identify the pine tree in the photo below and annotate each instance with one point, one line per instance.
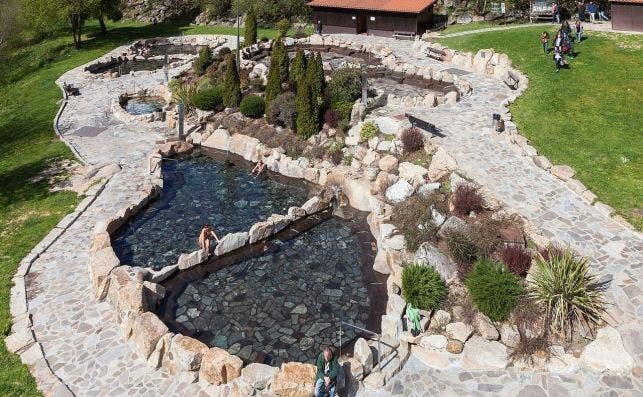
(315, 76)
(231, 84)
(278, 72)
(307, 113)
(250, 35)
(298, 68)
(281, 57)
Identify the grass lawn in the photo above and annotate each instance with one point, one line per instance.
(457, 28)
(589, 116)
(28, 211)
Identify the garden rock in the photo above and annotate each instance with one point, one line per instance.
(439, 320)
(146, 332)
(388, 163)
(257, 375)
(187, 352)
(260, 231)
(186, 261)
(509, 335)
(391, 326)
(480, 353)
(219, 139)
(399, 191)
(363, 353)
(219, 367)
(434, 342)
(459, 331)
(395, 305)
(437, 218)
(312, 206)
(428, 255)
(562, 172)
(101, 263)
(294, 380)
(278, 222)
(412, 173)
(357, 113)
(606, 352)
(455, 346)
(485, 327)
(374, 381)
(388, 125)
(442, 164)
(451, 224)
(428, 188)
(231, 242)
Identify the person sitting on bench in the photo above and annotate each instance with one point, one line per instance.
(327, 369)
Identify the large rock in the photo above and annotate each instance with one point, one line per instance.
(260, 231)
(279, 222)
(231, 242)
(312, 206)
(395, 305)
(391, 326)
(459, 331)
(439, 320)
(245, 146)
(434, 342)
(442, 164)
(257, 375)
(428, 255)
(509, 335)
(187, 352)
(388, 163)
(374, 381)
(451, 224)
(127, 292)
(146, 332)
(101, 263)
(388, 125)
(485, 327)
(219, 139)
(412, 173)
(354, 373)
(606, 352)
(363, 353)
(294, 380)
(194, 258)
(219, 367)
(481, 354)
(399, 191)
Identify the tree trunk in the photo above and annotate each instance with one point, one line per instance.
(101, 22)
(75, 29)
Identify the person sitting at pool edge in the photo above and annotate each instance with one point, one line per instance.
(259, 168)
(327, 369)
(204, 238)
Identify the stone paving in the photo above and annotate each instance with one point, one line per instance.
(82, 344)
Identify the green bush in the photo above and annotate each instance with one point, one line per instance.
(345, 85)
(412, 217)
(307, 118)
(278, 71)
(571, 295)
(282, 110)
(183, 92)
(282, 26)
(461, 247)
(231, 83)
(422, 286)
(493, 289)
(345, 108)
(203, 61)
(250, 33)
(252, 106)
(369, 130)
(298, 68)
(208, 98)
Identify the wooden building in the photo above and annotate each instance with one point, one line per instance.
(374, 17)
(627, 15)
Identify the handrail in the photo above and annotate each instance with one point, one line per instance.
(377, 336)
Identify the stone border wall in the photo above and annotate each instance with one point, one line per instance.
(124, 116)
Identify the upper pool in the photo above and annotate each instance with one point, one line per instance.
(196, 191)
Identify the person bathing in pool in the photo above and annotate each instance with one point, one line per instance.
(204, 238)
(259, 168)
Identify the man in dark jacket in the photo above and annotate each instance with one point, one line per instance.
(327, 369)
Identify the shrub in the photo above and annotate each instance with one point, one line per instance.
(570, 294)
(250, 33)
(252, 106)
(485, 234)
(231, 83)
(307, 120)
(184, 92)
(412, 217)
(203, 61)
(422, 286)
(278, 71)
(347, 160)
(335, 152)
(223, 53)
(346, 84)
(516, 258)
(369, 130)
(282, 26)
(208, 98)
(412, 139)
(467, 198)
(298, 68)
(257, 85)
(332, 117)
(282, 110)
(493, 289)
(345, 108)
(461, 247)
(315, 78)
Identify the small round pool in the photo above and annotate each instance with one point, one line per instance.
(144, 105)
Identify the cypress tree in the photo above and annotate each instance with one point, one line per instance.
(298, 68)
(250, 35)
(231, 83)
(281, 57)
(278, 72)
(315, 76)
(306, 122)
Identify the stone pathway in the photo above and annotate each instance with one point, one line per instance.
(615, 251)
(596, 27)
(79, 336)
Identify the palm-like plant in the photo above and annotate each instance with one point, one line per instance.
(571, 295)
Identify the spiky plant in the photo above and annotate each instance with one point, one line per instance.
(569, 292)
(184, 92)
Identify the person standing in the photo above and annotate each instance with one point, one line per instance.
(602, 7)
(581, 10)
(558, 58)
(327, 370)
(318, 27)
(579, 30)
(554, 13)
(591, 9)
(544, 39)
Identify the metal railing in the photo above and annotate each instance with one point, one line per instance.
(375, 334)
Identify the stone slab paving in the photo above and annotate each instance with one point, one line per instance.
(615, 251)
(80, 338)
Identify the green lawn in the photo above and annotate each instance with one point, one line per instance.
(28, 211)
(589, 116)
(457, 28)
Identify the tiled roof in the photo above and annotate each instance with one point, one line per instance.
(406, 6)
(628, 1)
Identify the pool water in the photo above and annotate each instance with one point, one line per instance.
(138, 65)
(144, 105)
(284, 305)
(196, 191)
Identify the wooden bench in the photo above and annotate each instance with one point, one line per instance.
(423, 125)
(512, 80)
(436, 54)
(404, 35)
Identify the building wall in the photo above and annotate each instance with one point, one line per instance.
(373, 22)
(627, 17)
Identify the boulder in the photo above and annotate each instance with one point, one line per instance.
(412, 173)
(187, 352)
(439, 320)
(187, 261)
(388, 125)
(363, 353)
(455, 346)
(279, 222)
(164, 273)
(294, 380)
(482, 354)
(146, 332)
(219, 139)
(126, 292)
(452, 223)
(391, 326)
(428, 255)
(485, 327)
(434, 342)
(257, 375)
(312, 206)
(357, 113)
(101, 263)
(296, 213)
(219, 367)
(509, 335)
(606, 352)
(245, 146)
(99, 241)
(436, 217)
(399, 191)
(388, 163)
(442, 164)
(428, 188)
(231, 242)
(374, 381)
(354, 373)
(260, 231)
(451, 97)
(459, 331)
(395, 305)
